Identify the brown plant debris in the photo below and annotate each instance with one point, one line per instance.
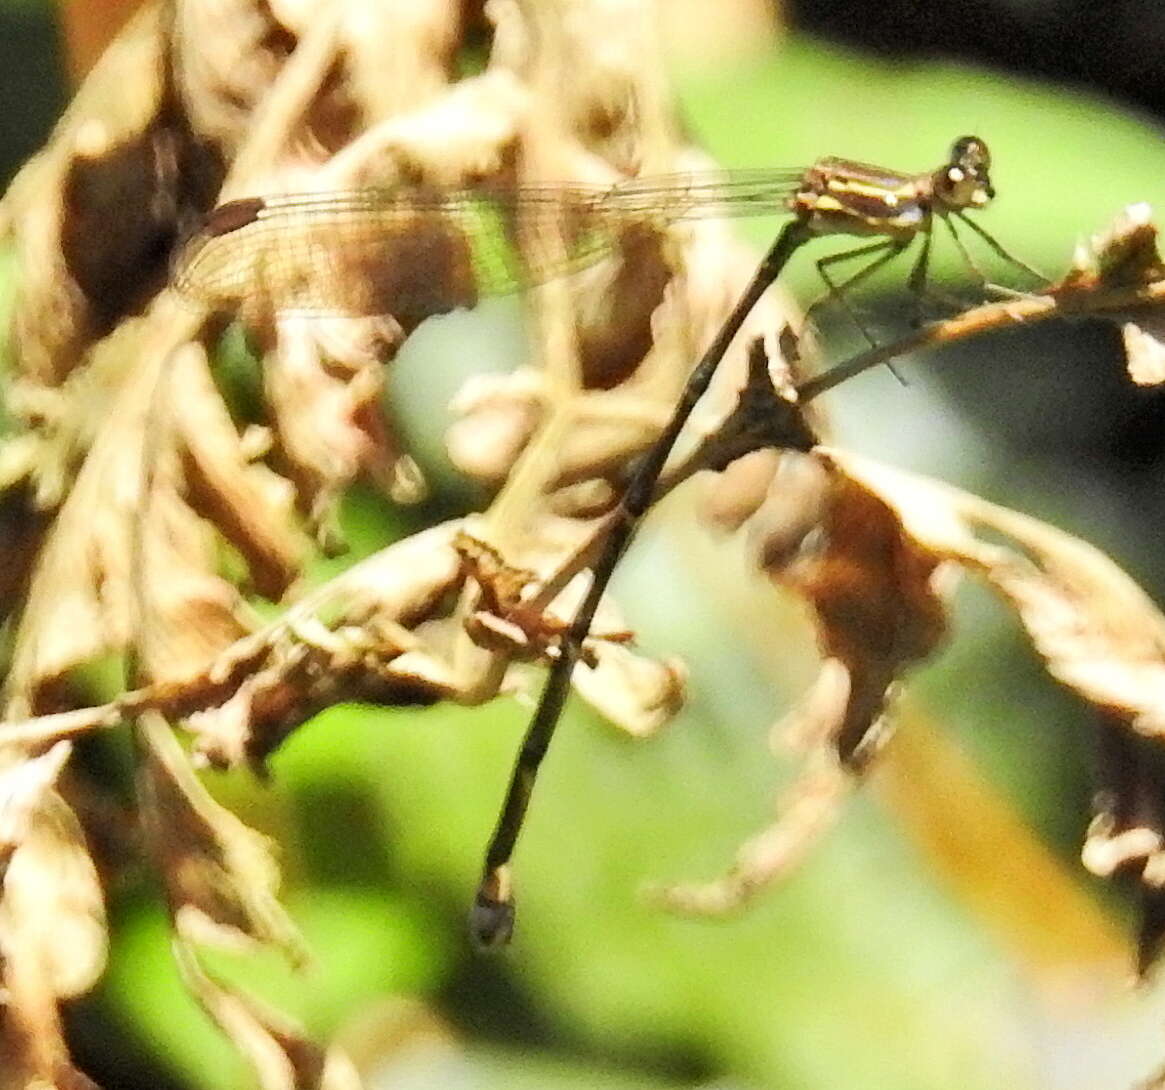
(151, 494)
(868, 547)
(1126, 255)
(52, 915)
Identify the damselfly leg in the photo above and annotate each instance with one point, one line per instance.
(836, 292)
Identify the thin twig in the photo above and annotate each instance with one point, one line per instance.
(1026, 310)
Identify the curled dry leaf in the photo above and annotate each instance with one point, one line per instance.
(1126, 255)
(52, 915)
(94, 215)
(871, 585)
(220, 877)
(1126, 838)
(279, 1050)
(130, 534)
(635, 692)
(863, 544)
(607, 427)
(872, 588)
(355, 639)
(325, 399)
(1145, 350)
(495, 417)
(805, 812)
(307, 669)
(1123, 255)
(1098, 633)
(91, 219)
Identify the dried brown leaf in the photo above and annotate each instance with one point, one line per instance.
(637, 693)
(1123, 255)
(249, 505)
(94, 214)
(806, 811)
(129, 536)
(1097, 631)
(281, 1054)
(350, 640)
(871, 585)
(1145, 350)
(221, 88)
(52, 916)
(220, 877)
(328, 419)
(496, 415)
(1126, 255)
(310, 669)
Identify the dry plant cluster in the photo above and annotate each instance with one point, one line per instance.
(128, 470)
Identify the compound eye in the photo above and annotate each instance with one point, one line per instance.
(971, 153)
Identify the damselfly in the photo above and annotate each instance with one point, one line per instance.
(411, 251)
(422, 250)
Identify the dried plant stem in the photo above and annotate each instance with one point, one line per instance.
(1024, 310)
(598, 546)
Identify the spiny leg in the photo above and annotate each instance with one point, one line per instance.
(492, 915)
(1010, 258)
(989, 288)
(886, 250)
(965, 254)
(918, 273)
(922, 290)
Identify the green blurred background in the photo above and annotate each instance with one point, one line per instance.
(886, 963)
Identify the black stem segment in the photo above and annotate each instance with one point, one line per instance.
(492, 916)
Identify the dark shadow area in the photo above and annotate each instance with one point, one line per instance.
(485, 997)
(33, 92)
(111, 1055)
(1114, 47)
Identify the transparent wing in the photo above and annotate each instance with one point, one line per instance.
(407, 251)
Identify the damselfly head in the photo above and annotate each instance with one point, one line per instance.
(965, 181)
